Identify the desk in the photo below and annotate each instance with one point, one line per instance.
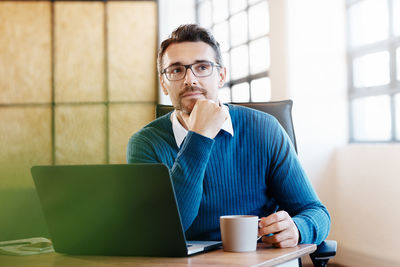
(264, 256)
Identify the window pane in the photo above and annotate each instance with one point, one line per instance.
(239, 29)
(259, 55)
(258, 20)
(225, 59)
(396, 17)
(224, 95)
(237, 5)
(368, 22)
(261, 90)
(205, 18)
(398, 62)
(371, 118)
(220, 10)
(397, 103)
(371, 70)
(240, 93)
(253, 1)
(240, 64)
(221, 31)
(397, 115)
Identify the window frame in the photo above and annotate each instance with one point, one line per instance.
(391, 89)
(250, 77)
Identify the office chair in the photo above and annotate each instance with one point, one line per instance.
(282, 111)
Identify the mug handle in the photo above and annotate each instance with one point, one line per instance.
(259, 237)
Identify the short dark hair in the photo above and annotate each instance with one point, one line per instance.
(189, 33)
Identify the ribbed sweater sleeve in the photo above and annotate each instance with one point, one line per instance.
(293, 191)
(188, 173)
(187, 170)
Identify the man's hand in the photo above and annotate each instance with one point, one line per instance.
(284, 230)
(206, 118)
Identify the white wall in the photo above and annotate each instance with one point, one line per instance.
(368, 198)
(279, 49)
(317, 85)
(308, 65)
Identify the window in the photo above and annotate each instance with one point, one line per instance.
(374, 70)
(242, 29)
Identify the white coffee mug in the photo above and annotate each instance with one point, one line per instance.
(239, 232)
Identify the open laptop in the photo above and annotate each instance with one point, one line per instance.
(125, 210)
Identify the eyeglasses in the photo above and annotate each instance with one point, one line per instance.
(199, 69)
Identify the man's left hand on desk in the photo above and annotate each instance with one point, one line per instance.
(279, 230)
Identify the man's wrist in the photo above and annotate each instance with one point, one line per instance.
(203, 132)
(196, 145)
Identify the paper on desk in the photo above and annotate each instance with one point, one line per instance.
(24, 247)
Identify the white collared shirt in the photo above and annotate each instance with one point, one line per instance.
(180, 132)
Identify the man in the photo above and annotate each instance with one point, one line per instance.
(225, 159)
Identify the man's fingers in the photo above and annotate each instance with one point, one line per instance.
(288, 243)
(279, 230)
(206, 118)
(277, 237)
(273, 218)
(274, 228)
(280, 240)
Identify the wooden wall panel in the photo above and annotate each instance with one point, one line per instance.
(79, 51)
(25, 135)
(132, 37)
(25, 52)
(80, 134)
(126, 119)
(26, 70)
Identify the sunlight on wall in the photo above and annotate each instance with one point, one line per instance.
(317, 84)
(370, 221)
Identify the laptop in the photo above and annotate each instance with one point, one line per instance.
(121, 210)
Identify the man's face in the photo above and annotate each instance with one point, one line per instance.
(185, 92)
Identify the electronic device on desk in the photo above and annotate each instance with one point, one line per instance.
(124, 210)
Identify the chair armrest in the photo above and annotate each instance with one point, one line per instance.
(325, 251)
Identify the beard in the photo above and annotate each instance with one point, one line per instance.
(189, 107)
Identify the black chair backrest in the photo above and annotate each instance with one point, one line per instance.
(281, 110)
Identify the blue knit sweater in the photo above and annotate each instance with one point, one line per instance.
(254, 172)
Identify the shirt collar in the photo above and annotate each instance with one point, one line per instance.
(180, 132)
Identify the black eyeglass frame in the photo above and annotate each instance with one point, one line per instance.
(189, 66)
